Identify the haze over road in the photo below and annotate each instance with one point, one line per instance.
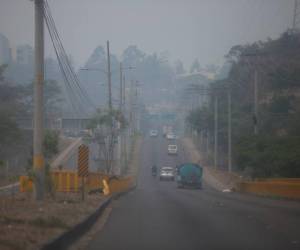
(157, 215)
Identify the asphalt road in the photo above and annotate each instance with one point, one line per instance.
(157, 215)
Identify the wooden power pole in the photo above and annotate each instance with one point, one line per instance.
(216, 132)
(109, 79)
(38, 157)
(229, 132)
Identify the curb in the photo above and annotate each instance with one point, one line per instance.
(67, 238)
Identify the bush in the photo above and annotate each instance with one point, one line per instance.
(269, 156)
(51, 143)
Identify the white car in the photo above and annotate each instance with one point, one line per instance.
(153, 133)
(171, 136)
(172, 149)
(166, 173)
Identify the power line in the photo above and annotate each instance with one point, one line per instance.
(71, 92)
(76, 94)
(65, 58)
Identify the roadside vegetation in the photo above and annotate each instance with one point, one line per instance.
(16, 113)
(274, 150)
(107, 126)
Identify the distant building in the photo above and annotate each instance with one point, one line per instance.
(5, 50)
(25, 55)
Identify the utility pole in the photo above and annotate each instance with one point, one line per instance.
(120, 134)
(207, 145)
(130, 108)
(124, 96)
(109, 79)
(216, 132)
(38, 157)
(126, 132)
(255, 117)
(296, 14)
(121, 87)
(111, 136)
(229, 132)
(136, 110)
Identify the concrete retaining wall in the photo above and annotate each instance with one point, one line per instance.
(69, 181)
(272, 187)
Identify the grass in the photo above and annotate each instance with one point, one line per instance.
(50, 222)
(10, 244)
(9, 220)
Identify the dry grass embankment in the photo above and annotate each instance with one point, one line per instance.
(27, 224)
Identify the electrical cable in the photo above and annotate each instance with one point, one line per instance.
(71, 79)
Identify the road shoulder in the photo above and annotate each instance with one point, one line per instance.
(216, 179)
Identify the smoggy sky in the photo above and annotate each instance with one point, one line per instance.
(187, 29)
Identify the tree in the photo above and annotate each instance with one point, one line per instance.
(105, 126)
(269, 156)
(179, 69)
(52, 98)
(9, 107)
(195, 66)
(200, 119)
(50, 143)
(212, 68)
(132, 56)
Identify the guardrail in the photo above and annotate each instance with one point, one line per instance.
(277, 187)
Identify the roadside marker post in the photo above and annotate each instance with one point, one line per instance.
(83, 166)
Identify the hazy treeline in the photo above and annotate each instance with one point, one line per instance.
(275, 150)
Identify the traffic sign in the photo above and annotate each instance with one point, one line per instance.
(83, 160)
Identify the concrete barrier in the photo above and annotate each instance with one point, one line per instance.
(26, 184)
(69, 181)
(284, 188)
(285, 180)
(117, 185)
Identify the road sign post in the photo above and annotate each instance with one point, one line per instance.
(83, 166)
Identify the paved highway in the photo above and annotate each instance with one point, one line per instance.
(157, 215)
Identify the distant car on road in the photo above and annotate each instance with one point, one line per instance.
(189, 175)
(172, 149)
(171, 136)
(167, 173)
(153, 133)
